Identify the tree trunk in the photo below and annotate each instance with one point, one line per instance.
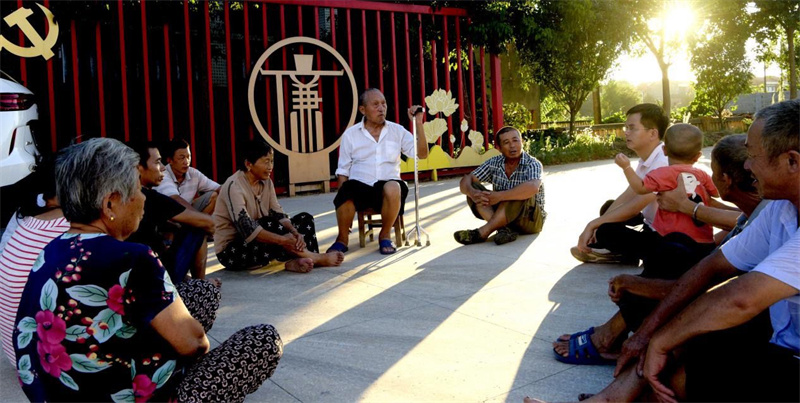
(598, 116)
(667, 101)
(792, 67)
(572, 112)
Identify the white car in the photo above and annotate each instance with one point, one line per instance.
(18, 153)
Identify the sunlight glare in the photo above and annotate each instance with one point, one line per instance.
(679, 21)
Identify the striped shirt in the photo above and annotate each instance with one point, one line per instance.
(493, 171)
(19, 255)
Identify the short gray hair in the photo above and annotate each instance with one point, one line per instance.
(781, 131)
(89, 171)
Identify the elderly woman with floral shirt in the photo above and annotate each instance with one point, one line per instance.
(100, 320)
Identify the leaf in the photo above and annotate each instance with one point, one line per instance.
(161, 376)
(125, 332)
(27, 325)
(23, 339)
(86, 365)
(24, 363)
(90, 295)
(123, 396)
(112, 319)
(38, 263)
(68, 381)
(123, 278)
(48, 298)
(26, 377)
(73, 332)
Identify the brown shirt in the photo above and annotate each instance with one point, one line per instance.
(239, 208)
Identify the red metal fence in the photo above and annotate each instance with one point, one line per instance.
(161, 69)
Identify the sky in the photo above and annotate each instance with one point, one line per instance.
(644, 68)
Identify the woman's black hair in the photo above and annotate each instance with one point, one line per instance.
(253, 150)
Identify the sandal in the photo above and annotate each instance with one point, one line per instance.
(505, 235)
(338, 247)
(386, 247)
(582, 351)
(468, 237)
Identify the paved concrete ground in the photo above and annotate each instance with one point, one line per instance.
(443, 322)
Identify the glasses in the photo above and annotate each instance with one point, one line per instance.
(628, 129)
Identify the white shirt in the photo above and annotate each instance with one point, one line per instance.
(771, 245)
(363, 159)
(194, 183)
(656, 160)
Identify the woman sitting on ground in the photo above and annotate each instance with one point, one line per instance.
(100, 320)
(38, 220)
(251, 227)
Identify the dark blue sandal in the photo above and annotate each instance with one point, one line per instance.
(338, 247)
(588, 331)
(583, 352)
(386, 247)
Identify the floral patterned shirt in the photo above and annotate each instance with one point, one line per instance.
(83, 330)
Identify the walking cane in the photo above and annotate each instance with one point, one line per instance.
(417, 231)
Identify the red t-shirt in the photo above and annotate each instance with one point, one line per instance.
(699, 188)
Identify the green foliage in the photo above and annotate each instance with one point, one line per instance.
(562, 149)
(618, 96)
(551, 110)
(617, 117)
(569, 45)
(719, 59)
(517, 115)
(776, 18)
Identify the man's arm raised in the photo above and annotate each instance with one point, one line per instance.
(709, 272)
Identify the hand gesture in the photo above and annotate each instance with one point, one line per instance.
(622, 161)
(671, 200)
(299, 243)
(586, 238)
(616, 286)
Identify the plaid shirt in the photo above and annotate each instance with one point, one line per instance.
(494, 171)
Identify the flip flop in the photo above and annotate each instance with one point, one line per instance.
(338, 247)
(386, 244)
(589, 331)
(583, 352)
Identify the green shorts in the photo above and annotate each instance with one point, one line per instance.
(524, 216)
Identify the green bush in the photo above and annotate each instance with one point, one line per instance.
(517, 115)
(617, 117)
(585, 146)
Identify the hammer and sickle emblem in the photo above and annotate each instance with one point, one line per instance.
(41, 47)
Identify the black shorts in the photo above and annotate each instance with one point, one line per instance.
(741, 365)
(365, 196)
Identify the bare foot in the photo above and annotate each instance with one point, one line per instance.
(300, 265)
(215, 281)
(332, 258)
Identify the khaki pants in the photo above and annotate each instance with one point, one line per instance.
(525, 216)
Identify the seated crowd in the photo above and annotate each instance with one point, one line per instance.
(104, 296)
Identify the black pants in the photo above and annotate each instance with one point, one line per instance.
(368, 197)
(665, 258)
(240, 255)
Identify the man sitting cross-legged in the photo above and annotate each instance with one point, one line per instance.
(369, 168)
(516, 202)
(188, 250)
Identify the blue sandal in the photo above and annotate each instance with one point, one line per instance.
(386, 247)
(582, 351)
(338, 247)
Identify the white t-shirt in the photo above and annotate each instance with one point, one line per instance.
(655, 160)
(363, 159)
(771, 245)
(193, 184)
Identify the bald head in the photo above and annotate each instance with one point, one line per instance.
(683, 141)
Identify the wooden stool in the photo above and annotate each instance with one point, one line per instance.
(366, 223)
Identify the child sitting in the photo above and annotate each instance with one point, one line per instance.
(683, 143)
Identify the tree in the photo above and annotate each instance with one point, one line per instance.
(618, 96)
(565, 55)
(719, 57)
(776, 18)
(648, 20)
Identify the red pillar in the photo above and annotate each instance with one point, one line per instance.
(497, 93)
